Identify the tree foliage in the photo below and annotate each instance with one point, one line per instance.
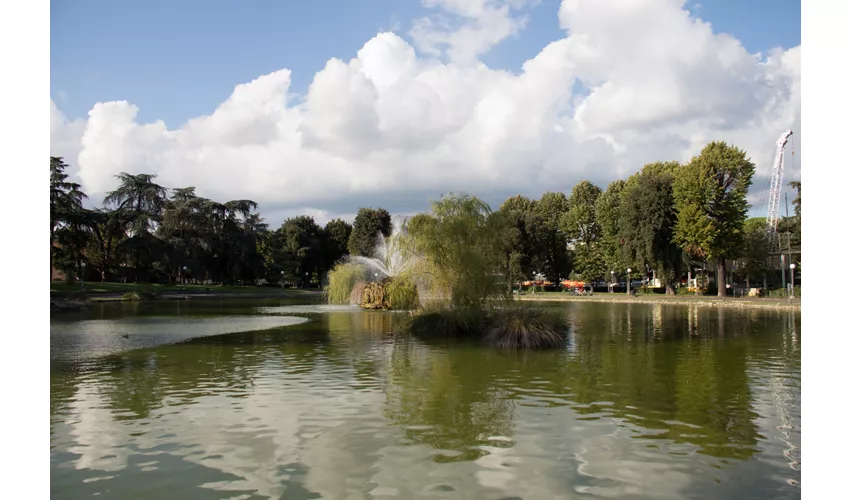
(608, 217)
(67, 218)
(523, 239)
(550, 208)
(647, 221)
(710, 199)
(337, 232)
(754, 259)
(461, 238)
(658, 219)
(367, 224)
(710, 195)
(582, 229)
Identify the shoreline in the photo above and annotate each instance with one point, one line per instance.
(740, 302)
(63, 304)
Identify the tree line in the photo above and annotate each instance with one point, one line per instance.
(145, 232)
(664, 218)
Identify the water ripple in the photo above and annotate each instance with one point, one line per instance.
(337, 409)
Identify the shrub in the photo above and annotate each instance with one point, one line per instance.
(439, 322)
(523, 327)
(402, 294)
(342, 280)
(510, 327)
(139, 296)
(782, 293)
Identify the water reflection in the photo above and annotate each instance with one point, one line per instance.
(643, 401)
(92, 338)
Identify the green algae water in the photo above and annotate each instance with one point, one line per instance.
(265, 400)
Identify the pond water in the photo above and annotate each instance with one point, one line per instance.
(244, 400)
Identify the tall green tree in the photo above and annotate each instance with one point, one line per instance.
(582, 229)
(72, 238)
(108, 231)
(710, 199)
(367, 224)
(523, 239)
(755, 259)
(66, 203)
(550, 208)
(647, 221)
(517, 203)
(143, 200)
(608, 216)
(336, 234)
(184, 224)
(302, 245)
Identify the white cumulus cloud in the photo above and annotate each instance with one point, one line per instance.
(401, 123)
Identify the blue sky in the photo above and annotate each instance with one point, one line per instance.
(179, 59)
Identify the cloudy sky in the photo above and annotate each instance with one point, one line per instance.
(323, 107)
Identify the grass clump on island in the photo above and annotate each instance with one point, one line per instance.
(513, 326)
(140, 296)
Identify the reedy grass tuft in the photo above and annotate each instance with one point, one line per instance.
(505, 327)
(140, 296)
(523, 327)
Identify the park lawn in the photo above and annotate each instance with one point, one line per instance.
(121, 288)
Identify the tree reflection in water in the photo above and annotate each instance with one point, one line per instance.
(668, 379)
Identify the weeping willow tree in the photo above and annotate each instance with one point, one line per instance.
(342, 280)
(460, 248)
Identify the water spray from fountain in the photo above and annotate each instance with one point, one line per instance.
(387, 280)
(392, 258)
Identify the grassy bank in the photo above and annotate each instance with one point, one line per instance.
(118, 291)
(665, 299)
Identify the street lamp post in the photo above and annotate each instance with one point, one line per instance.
(183, 276)
(82, 275)
(793, 266)
(629, 281)
(307, 280)
(611, 284)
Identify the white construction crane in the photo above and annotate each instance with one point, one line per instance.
(776, 187)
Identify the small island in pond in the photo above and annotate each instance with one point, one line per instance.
(445, 267)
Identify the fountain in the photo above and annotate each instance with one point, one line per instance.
(392, 258)
(385, 281)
